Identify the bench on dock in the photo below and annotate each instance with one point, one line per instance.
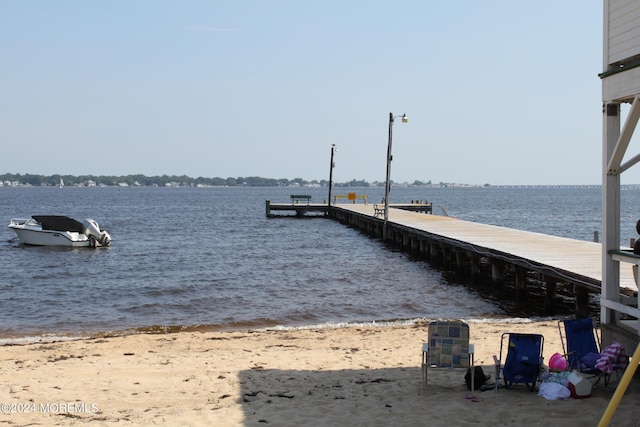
(295, 198)
(378, 211)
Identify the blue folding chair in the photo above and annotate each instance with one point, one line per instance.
(578, 342)
(581, 346)
(523, 359)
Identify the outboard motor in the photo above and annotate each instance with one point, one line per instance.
(93, 231)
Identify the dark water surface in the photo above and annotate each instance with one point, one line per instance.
(209, 258)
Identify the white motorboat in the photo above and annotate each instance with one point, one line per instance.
(57, 230)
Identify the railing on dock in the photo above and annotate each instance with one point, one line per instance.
(352, 197)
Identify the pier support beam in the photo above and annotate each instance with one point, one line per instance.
(497, 274)
(447, 256)
(521, 286)
(406, 239)
(582, 301)
(415, 244)
(424, 248)
(550, 296)
(460, 260)
(434, 252)
(475, 268)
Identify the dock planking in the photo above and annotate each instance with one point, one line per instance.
(570, 260)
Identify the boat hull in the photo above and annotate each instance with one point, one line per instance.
(56, 230)
(51, 238)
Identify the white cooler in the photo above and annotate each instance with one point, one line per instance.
(579, 386)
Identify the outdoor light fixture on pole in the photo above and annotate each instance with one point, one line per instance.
(331, 166)
(388, 184)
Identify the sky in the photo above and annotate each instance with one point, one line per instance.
(501, 92)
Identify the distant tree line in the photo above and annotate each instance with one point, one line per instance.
(165, 180)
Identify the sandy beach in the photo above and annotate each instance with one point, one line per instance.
(351, 376)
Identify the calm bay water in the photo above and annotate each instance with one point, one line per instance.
(209, 258)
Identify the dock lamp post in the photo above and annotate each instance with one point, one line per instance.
(388, 183)
(331, 166)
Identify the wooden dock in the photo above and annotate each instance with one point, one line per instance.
(464, 245)
(274, 210)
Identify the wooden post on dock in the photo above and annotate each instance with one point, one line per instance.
(268, 208)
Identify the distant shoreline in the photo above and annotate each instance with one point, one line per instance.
(138, 180)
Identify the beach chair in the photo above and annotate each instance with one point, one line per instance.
(520, 359)
(581, 346)
(447, 347)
